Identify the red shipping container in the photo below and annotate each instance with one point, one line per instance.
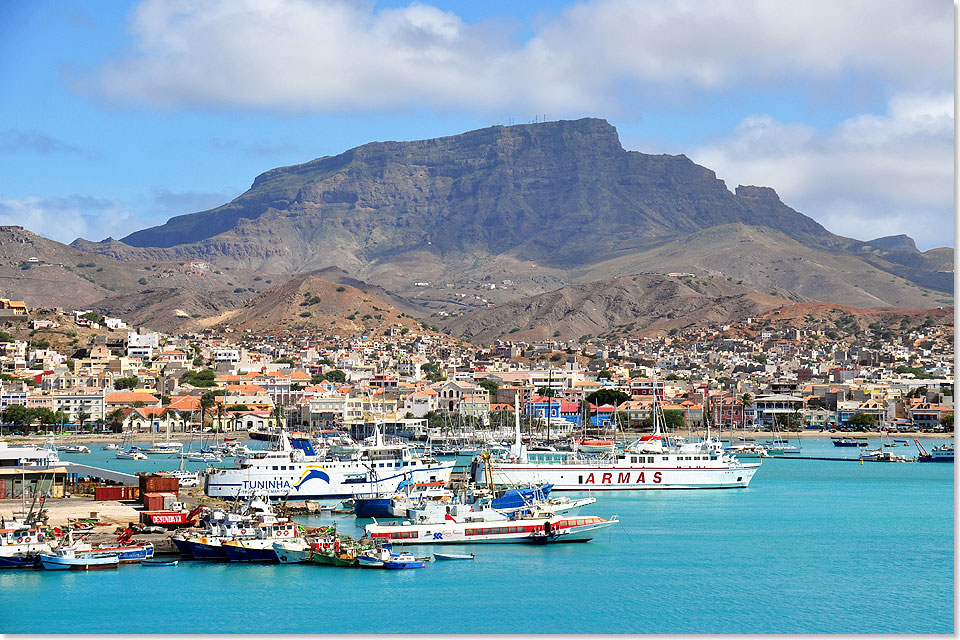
(153, 501)
(109, 493)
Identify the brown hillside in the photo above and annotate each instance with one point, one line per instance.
(310, 302)
(639, 304)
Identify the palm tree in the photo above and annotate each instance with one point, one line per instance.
(82, 417)
(115, 420)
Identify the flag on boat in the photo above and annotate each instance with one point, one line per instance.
(650, 444)
(450, 518)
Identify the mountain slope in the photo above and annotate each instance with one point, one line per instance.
(646, 304)
(313, 303)
(526, 189)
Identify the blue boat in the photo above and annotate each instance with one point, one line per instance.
(125, 553)
(373, 507)
(154, 562)
(403, 560)
(20, 561)
(516, 498)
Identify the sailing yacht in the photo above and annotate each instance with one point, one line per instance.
(655, 461)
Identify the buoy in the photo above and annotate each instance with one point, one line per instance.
(861, 462)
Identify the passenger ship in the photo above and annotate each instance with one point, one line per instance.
(653, 462)
(294, 471)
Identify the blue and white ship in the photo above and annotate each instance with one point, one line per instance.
(295, 471)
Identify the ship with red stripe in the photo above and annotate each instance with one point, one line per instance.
(655, 461)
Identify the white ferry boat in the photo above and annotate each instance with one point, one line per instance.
(294, 471)
(653, 462)
(461, 524)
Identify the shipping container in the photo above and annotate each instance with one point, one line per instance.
(109, 493)
(153, 501)
(156, 483)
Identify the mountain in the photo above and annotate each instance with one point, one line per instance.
(542, 205)
(639, 304)
(45, 273)
(894, 243)
(309, 302)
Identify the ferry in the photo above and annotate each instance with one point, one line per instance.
(294, 471)
(479, 527)
(653, 462)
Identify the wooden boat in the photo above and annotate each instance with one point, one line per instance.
(453, 556)
(66, 559)
(156, 562)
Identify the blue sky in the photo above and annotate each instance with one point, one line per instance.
(116, 116)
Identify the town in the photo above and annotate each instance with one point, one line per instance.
(78, 371)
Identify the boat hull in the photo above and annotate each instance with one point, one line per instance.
(244, 552)
(372, 507)
(613, 477)
(297, 483)
(56, 563)
(133, 553)
(204, 549)
(334, 560)
(287, 554)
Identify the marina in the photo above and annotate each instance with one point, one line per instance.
(797, 552)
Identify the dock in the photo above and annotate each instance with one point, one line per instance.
(830, 459)
(97, 472)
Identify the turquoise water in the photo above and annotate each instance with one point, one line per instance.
(809, 547)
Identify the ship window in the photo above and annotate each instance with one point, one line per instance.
(633, 459)
(274, 467)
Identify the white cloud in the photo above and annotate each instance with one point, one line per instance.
(66, 219)
(597, 55)
(870, 176)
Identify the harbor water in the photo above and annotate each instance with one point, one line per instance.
(811, 546)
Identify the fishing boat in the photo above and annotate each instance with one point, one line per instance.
(217, 525)
(22, 544)
(848, 442)
(292, 551)
(942, 453)
(403, 560)
(127, 553)
(260, 547)
(453, 556)
(66, 558)
(652, 462)
(295, 471)
(159, 562)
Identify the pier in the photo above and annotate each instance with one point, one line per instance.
(97, 472)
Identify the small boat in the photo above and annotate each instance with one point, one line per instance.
(112, 446)
(403, 560)
(453, 556)
(66, 559)
(75, 448)
(848, 442)
(156, 562)
(131, 454)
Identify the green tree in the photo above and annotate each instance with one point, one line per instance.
(547, 392)
(863, 420)
(205, 378)
(129, 382)
(947, 422)
(673, 418)
(336, 375)
(82, 417)
(490, 385)
(17, 415)
(115, 420)
(608, 396)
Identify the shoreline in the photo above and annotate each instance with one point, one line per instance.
(186, 438)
